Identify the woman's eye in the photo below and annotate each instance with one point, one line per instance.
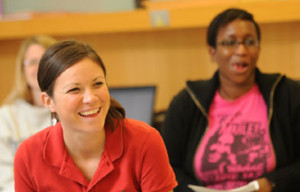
(228, 43)
(250, 42)
(99, 83)
(73, 90)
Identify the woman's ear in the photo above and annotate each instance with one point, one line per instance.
(48, 101)
(212, 52)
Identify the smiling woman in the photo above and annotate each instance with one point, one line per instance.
(92, 146)
(82, 101)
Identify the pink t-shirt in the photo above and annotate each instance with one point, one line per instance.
(236, 148)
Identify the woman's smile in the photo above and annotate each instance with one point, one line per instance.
(90, 113)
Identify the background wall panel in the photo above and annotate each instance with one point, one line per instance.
(168, 58)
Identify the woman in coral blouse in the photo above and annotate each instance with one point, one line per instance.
(92, 147)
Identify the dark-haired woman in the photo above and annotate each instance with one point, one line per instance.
(241, 125)
(93, 147)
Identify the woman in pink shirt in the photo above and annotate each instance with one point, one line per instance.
(241, 126)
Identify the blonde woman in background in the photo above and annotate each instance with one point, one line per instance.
(22, 113)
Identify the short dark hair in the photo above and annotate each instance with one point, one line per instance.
(64, 54)
(223, 19)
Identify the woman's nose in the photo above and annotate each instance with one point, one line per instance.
(241, 49)
(89, 96)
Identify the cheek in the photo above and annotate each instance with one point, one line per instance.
(223, 57)
(105, 98)
(35, 70)
(254, 57)
(26, 72)
(67, 103)
(104, 94)
(30, 72)
(72, 100)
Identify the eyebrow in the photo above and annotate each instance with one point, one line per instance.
(245, 36)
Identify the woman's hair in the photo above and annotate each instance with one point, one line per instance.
(21, 89)
(223, 19)
(61, 56)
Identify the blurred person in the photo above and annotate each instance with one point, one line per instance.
(92, 147)
(241, 125)
(22, 113)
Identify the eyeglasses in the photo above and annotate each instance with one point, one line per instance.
(32, 62)
(234, 44)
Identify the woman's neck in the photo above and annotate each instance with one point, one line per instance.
(84, 145)
(85, 150)
(231, 92)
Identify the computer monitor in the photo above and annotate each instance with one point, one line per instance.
(138, 102)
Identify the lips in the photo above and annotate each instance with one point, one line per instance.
(88, 113)
(240, 67)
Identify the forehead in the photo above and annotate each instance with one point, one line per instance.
(237, 28)
(34, 50)
(82, 71)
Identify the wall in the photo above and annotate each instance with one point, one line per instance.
(167, 58)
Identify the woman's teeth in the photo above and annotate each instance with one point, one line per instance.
(241, 64)
(91, 112)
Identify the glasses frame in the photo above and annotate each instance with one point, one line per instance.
(234, 44)
(32, 62)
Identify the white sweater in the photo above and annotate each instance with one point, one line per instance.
(18, 121)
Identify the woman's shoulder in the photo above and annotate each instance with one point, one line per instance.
(139, 129)
(21, 116)
(138, 126)
(36, 141)
(30, 152)
(20, 106)
(7, 112)
(140, 135)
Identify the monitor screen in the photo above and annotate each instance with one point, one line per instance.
(137, 101)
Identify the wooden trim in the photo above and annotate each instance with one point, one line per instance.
(186, 14)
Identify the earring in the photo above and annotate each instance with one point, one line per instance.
(54, 118)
